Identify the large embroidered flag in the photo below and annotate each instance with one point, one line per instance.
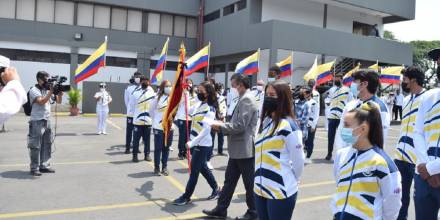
(249, 65)
(391, 75)
(198, 61)
(348, 79)
(175, 96)
(325, 73)
(160, 66)
(286, 67)
(92, 64)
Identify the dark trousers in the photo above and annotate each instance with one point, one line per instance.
(426, 199)
(407, 172)
(160, 150)
(199, 154)
(397, 112)
(235, 169)
(144, 132)
(129, 132)
(332, 127)
(221, 140)
(181, 124)
(310, 142)
(276, 209)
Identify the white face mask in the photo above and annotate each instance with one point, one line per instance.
(234, 91)
(102, 89)
(137, 80)
(271, 79)
(167, 90)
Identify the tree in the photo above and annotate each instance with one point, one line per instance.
(421, 59)
(389, 35)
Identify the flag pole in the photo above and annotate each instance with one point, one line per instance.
(258, 63)
(291, 67)
(105, 56)
(209, 56)
(165, 61)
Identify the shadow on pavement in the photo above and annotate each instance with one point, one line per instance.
(17, 174)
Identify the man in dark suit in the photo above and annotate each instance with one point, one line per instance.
(240, 131)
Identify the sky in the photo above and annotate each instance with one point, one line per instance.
(426, 26)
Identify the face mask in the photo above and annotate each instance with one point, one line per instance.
(354, 89)
(234, 91)
(137, 80)
(302, 96)
(260, 88)
(405, 87)
(190, 85)
(144, 86)
(271, 79)
(347, 135)
(222, 91)
(270, 104)
(337, 83)
(201, 97)
(167, 90)
(102, 89)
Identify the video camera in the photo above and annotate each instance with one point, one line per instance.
(2, 69)
(56, 82)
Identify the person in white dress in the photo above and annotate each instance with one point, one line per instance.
(103, 99)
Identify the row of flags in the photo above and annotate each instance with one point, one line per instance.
(250, 65)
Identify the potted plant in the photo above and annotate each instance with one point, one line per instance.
(74, 98)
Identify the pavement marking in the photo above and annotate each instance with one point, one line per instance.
(319, 137)
(307, 185)
(64, 163)
(113, 124)
(78, 210)
(314, 198)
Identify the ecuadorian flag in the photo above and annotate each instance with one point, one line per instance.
(92, 64)
(375, 66)
(391, 75)
(286, 67)
(347, 80)
(198, 61)
(249, 65)
(324, 73)
(160, 66)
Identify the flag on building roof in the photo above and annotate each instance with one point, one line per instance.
(286, 67)
(157, 76)
(92, 64)
(313, 71)
(198, 60)
(391, 75)
(375, 66)
(249, 65)
(324, 73)
(348, 79)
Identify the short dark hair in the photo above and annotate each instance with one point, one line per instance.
(307, 89)
(339, 75)
(370, 76)
(275, 69)
(42, 74)
(241, 79)
(414, 72)
(137, 73)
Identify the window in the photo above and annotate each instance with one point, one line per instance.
(36, 56)
(179, 26)
(228, 9)
(166, 24)
(85, 15)
(219, 68)
(211, 16)
(7, 9)
(119, 19)
(64, 11)
(191, 28)
(45, 10)
(101, 16)
(121, 62)
(134, 22)
(241, 5)
(153, 23)
(26, 9)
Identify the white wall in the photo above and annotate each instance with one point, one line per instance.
(296, 11)
(342, 19)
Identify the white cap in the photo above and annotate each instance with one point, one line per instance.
(102, 84)
(4, 61)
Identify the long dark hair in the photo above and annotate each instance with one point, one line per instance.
(284, 106)
(161, 90)
(211, 95)
(191, 89)
(369, 113)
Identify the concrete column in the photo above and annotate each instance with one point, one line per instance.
(143, 63)
(226, 75)
(73, 65)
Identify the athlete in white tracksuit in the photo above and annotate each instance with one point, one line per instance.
(103, 99)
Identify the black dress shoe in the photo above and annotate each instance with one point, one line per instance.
(127, 151)
(47, 170)
(35, 173)
(328, 157)
(135, 158)
(249, 215)
(215, 213)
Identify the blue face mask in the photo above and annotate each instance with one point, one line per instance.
(354, 89)
(347, 135)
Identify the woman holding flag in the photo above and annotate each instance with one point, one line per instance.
(201, 143)
(159, 105)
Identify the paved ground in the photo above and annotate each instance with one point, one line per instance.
(95, 180)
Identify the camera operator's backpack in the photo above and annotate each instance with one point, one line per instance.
(27, 107)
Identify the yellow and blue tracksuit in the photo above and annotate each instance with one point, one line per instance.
(161, 152)
(368, 185)
(142, 120)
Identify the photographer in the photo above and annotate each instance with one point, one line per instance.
(12, 93)
(40, 132)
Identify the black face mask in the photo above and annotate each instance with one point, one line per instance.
(302, 96)
(338, 83)
(201, 96)
(405, 87)
(144, 86)
(270, 104)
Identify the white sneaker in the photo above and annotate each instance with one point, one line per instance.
(104, 133)
(98, 133)
(307, 161)
(171, 149)
(209, 165)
